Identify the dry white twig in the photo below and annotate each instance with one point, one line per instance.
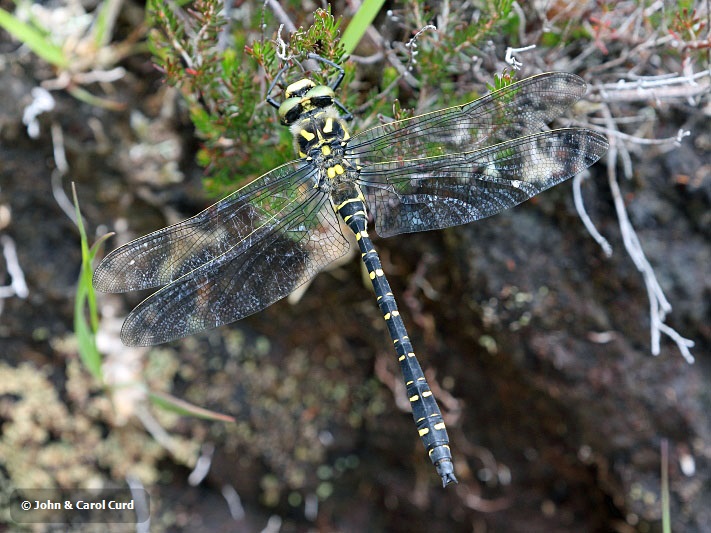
(511, 59)
(273, 524)
(140, 497)
(281, 15)
(521, 15)
(153, 427)
(580, 207)
(18, 285)
(234, 502)
(60, 160)
(42, 101)
(202, 465)
(659, 306)
(311, 507)
(654, 88)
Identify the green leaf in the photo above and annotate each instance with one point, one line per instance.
(86, 297)
(33, 38)
(104, 22)
(359, 24)
(85, 96)
(181, 407)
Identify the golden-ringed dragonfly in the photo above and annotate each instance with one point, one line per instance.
(436, 170)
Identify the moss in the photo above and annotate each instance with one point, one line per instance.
(61, 438)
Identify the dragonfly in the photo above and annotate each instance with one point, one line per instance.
(436, 170)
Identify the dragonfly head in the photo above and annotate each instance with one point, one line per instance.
(302, 97)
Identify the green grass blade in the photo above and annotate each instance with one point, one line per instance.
(181, 407)
(85, 96)
(86, 297)
(666, 515)
(33, 38)
(359, 23)
(107, 13)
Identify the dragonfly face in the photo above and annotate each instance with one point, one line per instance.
(303, 97)
(441, 169)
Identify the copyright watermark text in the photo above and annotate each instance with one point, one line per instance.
(79, 506)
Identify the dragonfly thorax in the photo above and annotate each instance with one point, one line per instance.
(320, 138)
(322, 133)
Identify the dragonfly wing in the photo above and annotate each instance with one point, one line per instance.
(260, 269)
(438, 192)
(520, 109)
(169, 253)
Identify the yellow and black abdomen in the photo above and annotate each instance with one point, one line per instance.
(350, 205)
(320, 137)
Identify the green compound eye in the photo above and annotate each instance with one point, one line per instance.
(303, 97)
(299, 88)
(290, 110)
(320, 96)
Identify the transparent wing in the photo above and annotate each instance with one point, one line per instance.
(261, 269)
(242, 254)
(169, 253)
(421, 194)
(520, 109)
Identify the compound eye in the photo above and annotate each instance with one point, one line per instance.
(290, 110)
(320, 96)
(299, 88)
(322, 101)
